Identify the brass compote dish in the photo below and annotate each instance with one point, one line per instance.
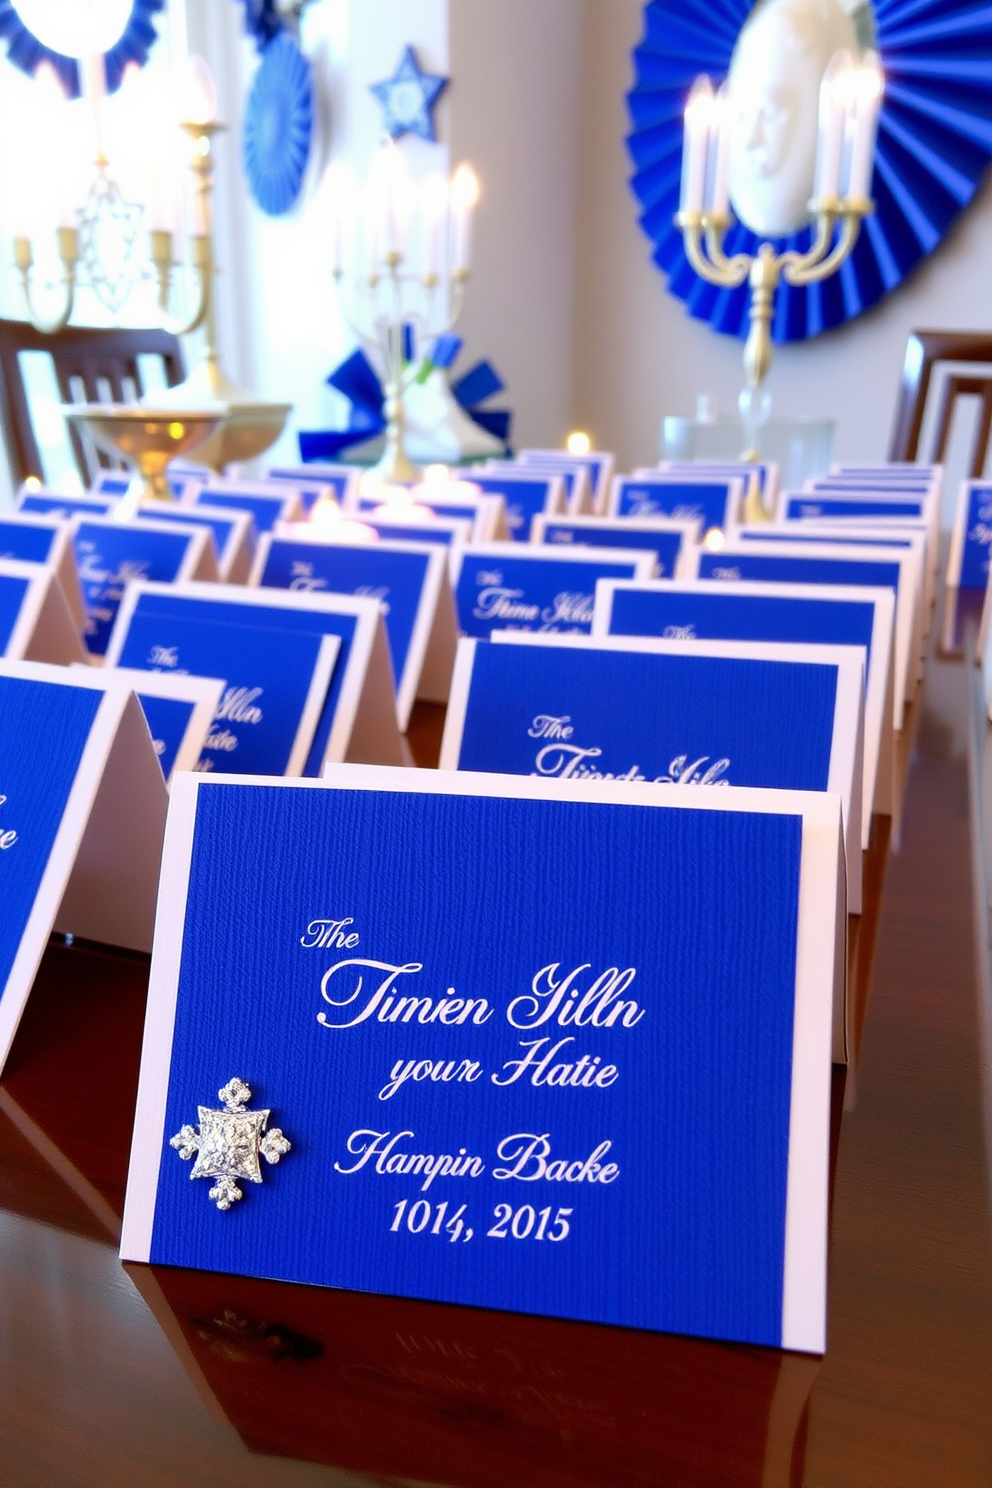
(146, 439)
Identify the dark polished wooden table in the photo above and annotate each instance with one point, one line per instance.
(159, 1377)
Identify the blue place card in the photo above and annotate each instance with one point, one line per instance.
(876, 567)
(178, 709)
(968, 560)
(576, 477)
(526, 493)
(57, 504)
(357, 719)
(743, 470)
(445, 531)
(803, 505)
(276, 682)
(668, 538)
(678, 713)
(814, 614)
(82, 815)
(314, 481)
(36, 623)
(712, 502)
(110, 555)
(596, 1113)
(410, 582)
(35, 538)
(510, 586)
(599, 463)
(268, 502)
(486, 511)
(112, 483)
(232, 533)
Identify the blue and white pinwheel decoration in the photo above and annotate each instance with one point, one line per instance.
(26, 50)
(934, 144)
(279, 125)
(409, 98)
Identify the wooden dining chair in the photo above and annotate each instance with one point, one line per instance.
(92, 365)
(926, 350)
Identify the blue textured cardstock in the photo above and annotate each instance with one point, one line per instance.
(507, 591)
(525, 496)
(666, 546)
(266, 510)
(268, 672)
(14, 591)
(968, 567)
(167, 719)
(411, 1012)
(55, 504)
(111, 555)
(25, 542)
(708, 501)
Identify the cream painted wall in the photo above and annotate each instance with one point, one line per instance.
(515, 104)
(638, 354)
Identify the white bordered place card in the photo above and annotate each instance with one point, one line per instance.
(110, 555)
(713, 501)
(678, 713)
(668, 538)
(35, 620)
(599, 465)
(446, 532)
(178, 709)
(29, 537)
(498, 1120)
(409, 580)
(233, 534)
(268, 502)
(526, 492)
(971, 537)
(63, 505)
(521, 586)
(486, 511)
(341, 481)
(785, 563)
(213, 629)
(796, 614)
(82, 817)
(743, 470)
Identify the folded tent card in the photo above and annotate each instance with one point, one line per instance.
(525, 492)
(677, 713)
(799, 563)
(583, 1111)
(409, 580)
(486, 512)
(31, 537)
(743, 470)
(713, 501)
(179, 711)
(82, 818)
(268, 502)
(340, 481)
(36, 623)
(527, 587)
(599, 464)
(62, 505)
(668, 538)
(308, 676)
(796, 614)
(971, 537)
(232, 533)
(111, 555)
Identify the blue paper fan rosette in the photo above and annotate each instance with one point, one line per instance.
(278, 126)
(25, 51)
(934, 144)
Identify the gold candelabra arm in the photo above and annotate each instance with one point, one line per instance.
(202, 259)
(68, 248)
(820, 262)
(712, 265)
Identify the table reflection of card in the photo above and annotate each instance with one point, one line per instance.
(82, 815)
(513, 1096)
(514, 586)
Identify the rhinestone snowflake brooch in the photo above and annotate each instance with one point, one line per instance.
(229, 1143)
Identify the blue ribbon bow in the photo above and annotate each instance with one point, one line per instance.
(358, 380)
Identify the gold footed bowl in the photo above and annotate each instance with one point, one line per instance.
(249, 425)
(146, 439)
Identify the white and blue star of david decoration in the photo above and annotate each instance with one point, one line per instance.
(409, 98)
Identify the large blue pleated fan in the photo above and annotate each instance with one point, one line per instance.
(25, 51)
(934, 143)
(279, 126)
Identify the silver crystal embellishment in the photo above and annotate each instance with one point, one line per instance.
(228, 1144)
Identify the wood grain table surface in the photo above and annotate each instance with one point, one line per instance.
(161, 1377)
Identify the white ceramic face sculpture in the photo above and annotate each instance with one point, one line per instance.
(778, 64)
